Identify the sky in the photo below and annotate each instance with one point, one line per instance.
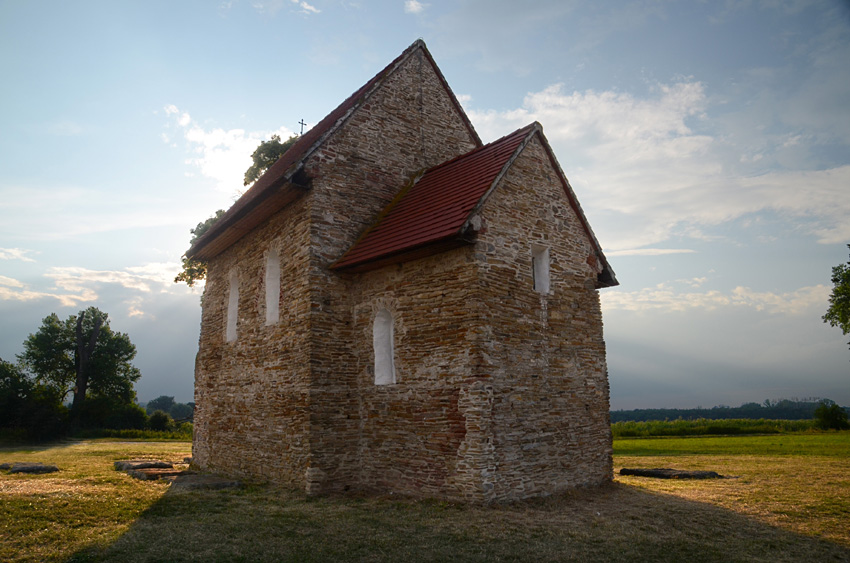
(708, 143)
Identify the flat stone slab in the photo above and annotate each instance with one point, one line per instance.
(154, 473)
(190, 481)
(35, 468)
(128, 464)
(667, 473)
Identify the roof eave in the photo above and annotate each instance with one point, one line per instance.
(606, 277)
(283, 171)
(456, 240)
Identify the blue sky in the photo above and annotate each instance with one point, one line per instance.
(708, 142)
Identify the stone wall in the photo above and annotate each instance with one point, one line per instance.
(411, 434)
(252, 395)
(410, 124)
(500, 393)
(543, 355)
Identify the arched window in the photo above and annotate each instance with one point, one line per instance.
(272, 286)
(232, 306)
(382, 340)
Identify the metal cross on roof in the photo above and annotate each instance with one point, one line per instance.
(302, 124)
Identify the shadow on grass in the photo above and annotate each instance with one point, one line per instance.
(614, 523)
(12, 447)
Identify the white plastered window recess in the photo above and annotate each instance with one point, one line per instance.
(540, 268)
(382, 342)
(232, 306)
(272, 285)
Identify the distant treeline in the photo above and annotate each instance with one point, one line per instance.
(706, 427)
(784, 409)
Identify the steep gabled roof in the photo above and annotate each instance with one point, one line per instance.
(279, 185)
(436, 212)
(436, 207)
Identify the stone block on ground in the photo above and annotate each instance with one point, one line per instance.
(128, 464)
(667, 473)
(34, 468)
(153, 473)
(189, 481)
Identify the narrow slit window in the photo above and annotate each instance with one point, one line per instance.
(540, 268)
(272, 287)
(382, 340)
(232, 307)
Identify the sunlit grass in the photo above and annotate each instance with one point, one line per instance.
(800, 482)
(789, 502)
(48, 517)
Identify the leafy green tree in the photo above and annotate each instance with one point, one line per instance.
(83, 356)
(830, 416)
(160, 420)
(182, 411)
(30, 409)
(15, 389)
(162, 403)
(266, 155)
(196, 270)
(838, 313)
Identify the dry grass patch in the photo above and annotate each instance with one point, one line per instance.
(776, 511)
(88, 503)
(805, 489)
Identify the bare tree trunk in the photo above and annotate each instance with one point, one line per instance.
(84, 352)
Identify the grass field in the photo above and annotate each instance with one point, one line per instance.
(790, 501)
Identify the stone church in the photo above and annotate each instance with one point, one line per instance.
(395, 306)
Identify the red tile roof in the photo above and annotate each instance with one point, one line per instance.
(275, 188)
(437, 206)
(434, 213)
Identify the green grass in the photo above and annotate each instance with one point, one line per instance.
(181, 435)
(789, 502)
(826, 444)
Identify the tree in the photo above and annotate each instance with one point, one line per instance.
(162, 403)
(266, 155)
(838, 313)
(28, 408)
(182, 411)
(161, 421)
(829, 415)
(83, 356)
(196, 270)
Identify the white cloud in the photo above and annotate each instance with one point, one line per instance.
(15, 254)
(19, 292)
(219, 154)
(646, 169)
(76, 285)
(414, 7)
(306, 8)
(10, 282)
(271, 7)
(664, 297)
(138, 278)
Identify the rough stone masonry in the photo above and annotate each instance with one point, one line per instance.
(468, 365)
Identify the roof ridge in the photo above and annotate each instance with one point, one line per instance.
(290, 162)
(481, 148)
